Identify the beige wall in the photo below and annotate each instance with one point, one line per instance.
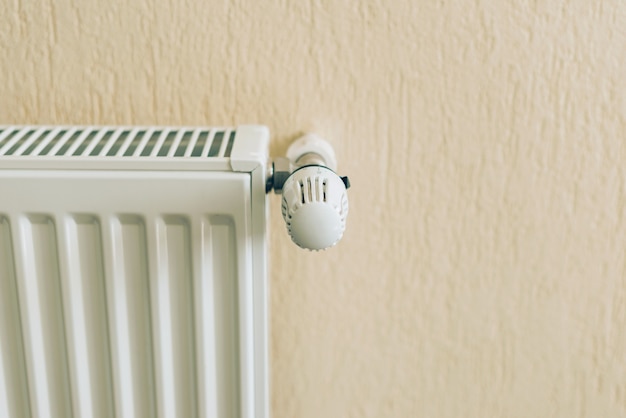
(483, 273)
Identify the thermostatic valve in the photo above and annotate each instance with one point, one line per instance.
(315, 207)
(314, 198)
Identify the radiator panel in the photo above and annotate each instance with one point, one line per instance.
(126, 293)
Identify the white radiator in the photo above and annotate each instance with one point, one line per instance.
(133, 272)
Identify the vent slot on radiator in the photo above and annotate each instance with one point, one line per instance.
(116, 142)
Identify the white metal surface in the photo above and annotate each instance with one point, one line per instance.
(133, 272)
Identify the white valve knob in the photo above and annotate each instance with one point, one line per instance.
(315, 207)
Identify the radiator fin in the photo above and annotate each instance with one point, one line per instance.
(223, 272)
(13, 383)
(172, 312)
(86, 316)
(40, 300)
(129, 305)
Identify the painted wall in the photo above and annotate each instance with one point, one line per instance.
(483, 273)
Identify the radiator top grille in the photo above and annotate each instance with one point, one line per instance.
(136, 142)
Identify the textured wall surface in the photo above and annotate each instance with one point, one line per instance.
(483, 273)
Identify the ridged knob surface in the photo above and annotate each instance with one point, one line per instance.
(315, 207)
